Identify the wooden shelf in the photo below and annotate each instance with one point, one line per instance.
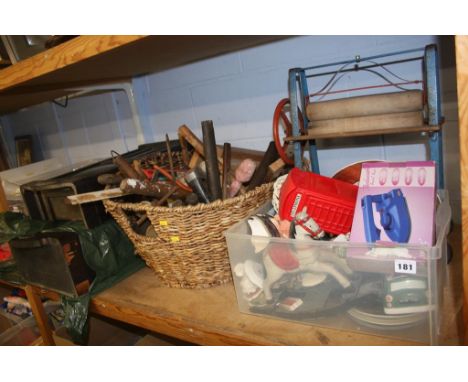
(211, 317)
(89, 60)
(461, 48)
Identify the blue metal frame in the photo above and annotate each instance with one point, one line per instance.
(431, 73)
(292, 83)
(297, 77)
(298, 92)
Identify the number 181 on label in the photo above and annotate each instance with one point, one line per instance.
(405, 266)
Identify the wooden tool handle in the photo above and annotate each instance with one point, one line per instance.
(125, 168)
(146, 188)
(212, 171)
(261, 171)
(109, 179)
(196, 143)
(226, 168)
(191, 138)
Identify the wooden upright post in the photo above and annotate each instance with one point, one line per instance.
(461, 49)
(40, 315)
(3, 200)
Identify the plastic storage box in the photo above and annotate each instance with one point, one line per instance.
(387, 291)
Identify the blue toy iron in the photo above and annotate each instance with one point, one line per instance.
(394, 216)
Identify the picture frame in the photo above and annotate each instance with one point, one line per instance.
(24, 154)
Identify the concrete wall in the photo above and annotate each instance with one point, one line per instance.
(239, 92)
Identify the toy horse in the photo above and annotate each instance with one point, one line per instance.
(280, 260)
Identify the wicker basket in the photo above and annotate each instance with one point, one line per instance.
(189, 250)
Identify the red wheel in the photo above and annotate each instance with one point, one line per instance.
(282, 127)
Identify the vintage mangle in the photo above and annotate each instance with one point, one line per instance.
(414, 106)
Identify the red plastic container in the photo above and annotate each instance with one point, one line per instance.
(329, 202)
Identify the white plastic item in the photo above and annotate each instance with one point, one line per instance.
(12, 179)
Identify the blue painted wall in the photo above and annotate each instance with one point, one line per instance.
(239, 92)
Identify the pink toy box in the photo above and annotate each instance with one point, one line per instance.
(395, 203)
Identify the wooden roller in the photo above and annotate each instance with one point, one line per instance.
(377, 124)
(375, 104)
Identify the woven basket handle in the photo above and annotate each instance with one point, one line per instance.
(122, 218)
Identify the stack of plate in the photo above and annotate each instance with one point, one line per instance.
(371, 314)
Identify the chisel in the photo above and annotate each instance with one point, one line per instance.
(209, 148)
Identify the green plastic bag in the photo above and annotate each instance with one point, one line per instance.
(106, 249)
(109, 252)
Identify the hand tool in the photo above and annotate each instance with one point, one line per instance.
(191, 138)
(137, 167)
(195, 160)
(171, 163)
(183, 146)
(226, 168)
(169, 176)
(146, 188)
(191, 199)
(124, 167)
(109, 179)
(160, 202)
(275, 169)
(261, 171)
(209, 147)
(95, 196)
(193, 180)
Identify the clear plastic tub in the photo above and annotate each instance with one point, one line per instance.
(388, 291)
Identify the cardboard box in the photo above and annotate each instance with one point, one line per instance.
(395, 203)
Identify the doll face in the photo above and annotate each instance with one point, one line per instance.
(422, 176)
(245, 170)
(395, 176)
(408, 176)
(383, 176)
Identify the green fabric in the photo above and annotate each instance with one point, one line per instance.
(106, 249)
(109, 252)
(9, 272)
(13, 225)
(16, 225)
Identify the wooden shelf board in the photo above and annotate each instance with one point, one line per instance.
(96, 59)
(211, 317)
(320, 133)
